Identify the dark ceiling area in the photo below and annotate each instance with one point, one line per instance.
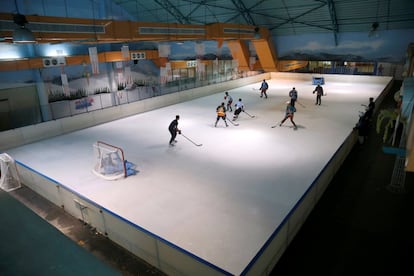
(281, 17)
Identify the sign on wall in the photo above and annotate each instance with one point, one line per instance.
(93, 55)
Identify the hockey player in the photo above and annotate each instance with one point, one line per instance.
(293, 94)
(263, 89)
(370, 108)
(319, 94)
(239, 107)
(290, 110)
(221, 113)
(173, 129)
(229, 100)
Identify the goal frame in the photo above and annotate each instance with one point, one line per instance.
(97, 144)
(9, 175)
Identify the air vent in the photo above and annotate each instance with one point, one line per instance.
(54, 61)
(138, 55)
(191, 63)
(46, 27)
(170, 31)
(238, 31)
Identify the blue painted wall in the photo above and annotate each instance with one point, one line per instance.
(386, 46)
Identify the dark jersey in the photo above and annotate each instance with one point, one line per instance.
(264, 86)
(173, 125)
(319, 90)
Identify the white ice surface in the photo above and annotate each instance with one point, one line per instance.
(223, 200)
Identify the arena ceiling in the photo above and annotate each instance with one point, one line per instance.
(281, 17)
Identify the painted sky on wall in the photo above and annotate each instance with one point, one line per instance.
(386, 46)
(188, 49)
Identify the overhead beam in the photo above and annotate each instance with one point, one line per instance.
(87, 31)
(294, 19)
(334, 21)
(240, 52)
(62, 29)
(171, 9)
(201, 4)
(267, 54)
(245, 12)
(37, 62)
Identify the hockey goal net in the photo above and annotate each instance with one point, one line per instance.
(109, 161)
(9, 177)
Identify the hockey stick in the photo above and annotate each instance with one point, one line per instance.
(301, 104)
(234, 124)
(251, 116)
(198, 145)
(275, 125)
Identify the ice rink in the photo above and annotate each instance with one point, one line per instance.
(223, 200)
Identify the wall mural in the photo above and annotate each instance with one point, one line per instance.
(187, 51)
(130, 81)
(385, 46)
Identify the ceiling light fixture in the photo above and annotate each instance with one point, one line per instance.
(375, 25)
(374, 29)
(257, 33)
(22, 34)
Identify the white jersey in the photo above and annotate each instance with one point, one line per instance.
(239, 104)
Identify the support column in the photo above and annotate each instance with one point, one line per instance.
(267, 54)
(41, 90)
(43, 96)
(240, 51)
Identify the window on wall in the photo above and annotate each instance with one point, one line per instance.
(341, 67)
(320, 66)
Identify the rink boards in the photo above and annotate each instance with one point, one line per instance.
(188, 212)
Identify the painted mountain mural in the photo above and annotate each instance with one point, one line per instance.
(387, 46)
